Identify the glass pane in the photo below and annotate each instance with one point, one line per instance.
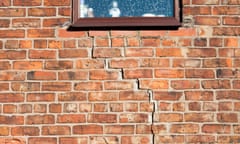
(126, 8)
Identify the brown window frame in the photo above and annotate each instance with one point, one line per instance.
(125, 22)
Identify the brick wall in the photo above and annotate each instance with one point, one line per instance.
(123, 87)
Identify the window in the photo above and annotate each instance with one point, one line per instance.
(125, 13)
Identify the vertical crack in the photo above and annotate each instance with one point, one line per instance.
(153, 112)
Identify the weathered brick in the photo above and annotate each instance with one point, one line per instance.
(25, 131)
(88, 129)
(35, 140)
(40, 119)
(12, 33)
(56, 130)
(12, 12)
(38, 97)
(40, 12)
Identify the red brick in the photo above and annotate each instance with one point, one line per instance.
(194, 106)
(56, 130)
(200, 52)
(154, 62)
(183, 32)
(12, 33)
(154, 84)
(57, 2)
(69, 44)
(89, 64)
(133, 95)
(103, 96)
(123, 63)
(210, 106)
(12, 12)
(5, 3)
(41, 12)
(199, 117)
(118, 85)
(137, 73)
(4, 131)
(117, 42)
(4, 23)
(25, 131)
(40, 54)
(27, 3)
(73, 75)
(225, 106)
(228, 95)
(206, 2)
(73, 140)
(216, 128)
(12, 120)
(55, 108)
(102, 118)
(216, 84)
(227, 117)
(119, 129)
(70, 34)
(226, 31)
(55, 44)
(12, 140)
(103, 75)
(71, 118)
(64, 11)
(42, 140)
(27, 65)
(73, 53)
(12, 76)
(166, 73)
(136, 139)
(40, 97)
(9, 108)
(184, 128)
(216, 42)
(58, 65)
(185, 84)
(169, 139)
(213, 63)
(54, 22)
(168, 52)
(72, 96)
(41, 75)
(87, 129)
(200, 139)
(5, 65)
(225, 10)
(207, 20)
(100, 107)
(199, 95)
(107, 52)
(25, 86)
(172, 96)
(168, 117)
(40, 119)
(40, 43)
(90, 86)
(11, 97)
(139, 52)
(56, 86)
(150, 42)
(40, 33)
(232, 21)
(4, 87)
(133, 118)
(12, 55)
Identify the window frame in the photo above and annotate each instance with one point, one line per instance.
(125, 22)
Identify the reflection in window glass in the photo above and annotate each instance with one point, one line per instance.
(126, 8)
